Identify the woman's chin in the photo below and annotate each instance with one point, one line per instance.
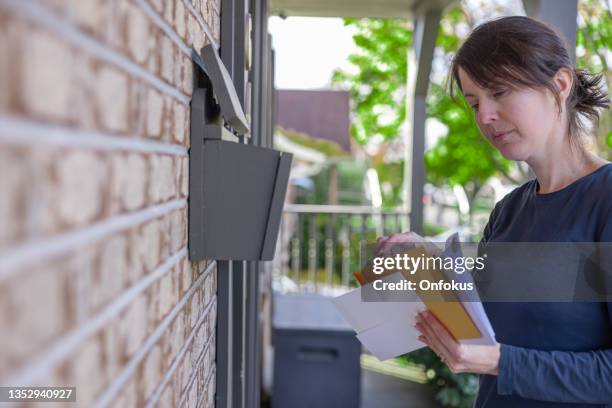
(512, 151)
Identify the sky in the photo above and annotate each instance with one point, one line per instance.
(308, 50)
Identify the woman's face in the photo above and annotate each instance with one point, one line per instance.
(520, 123)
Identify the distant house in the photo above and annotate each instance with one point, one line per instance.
(322, 114)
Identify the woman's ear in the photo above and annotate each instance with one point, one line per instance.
(563, 80)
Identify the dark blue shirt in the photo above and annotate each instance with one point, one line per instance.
(552, 354)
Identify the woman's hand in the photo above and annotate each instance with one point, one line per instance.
(460, 358)
(385, 244)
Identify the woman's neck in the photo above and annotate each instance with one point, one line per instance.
(562, 165)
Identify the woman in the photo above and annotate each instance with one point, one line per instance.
(531, 103)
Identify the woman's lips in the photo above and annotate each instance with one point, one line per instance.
(500, 136)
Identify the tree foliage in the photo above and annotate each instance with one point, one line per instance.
(378, 87)
(594, 43)
(378, 92)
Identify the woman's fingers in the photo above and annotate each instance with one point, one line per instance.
(425, 340)
(439, 336)
(384, 244)
(380, 242)
(445, 337)
(432, 338)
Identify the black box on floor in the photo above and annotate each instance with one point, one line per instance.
(316, 355)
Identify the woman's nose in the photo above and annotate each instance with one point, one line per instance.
(487, 113)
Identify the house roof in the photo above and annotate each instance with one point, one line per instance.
(322, 114)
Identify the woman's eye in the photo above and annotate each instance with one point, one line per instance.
(475, 106)
(498, 94)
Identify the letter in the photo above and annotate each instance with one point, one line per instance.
(469, 263)
(437, 263)
(459, 262)
(389, 264)
(424, 284)
(377, 269)
(377, 287)
(480, 263)
(405, 259)
(416, 264)
(398, 261)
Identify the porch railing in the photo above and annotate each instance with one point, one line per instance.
(319, 246)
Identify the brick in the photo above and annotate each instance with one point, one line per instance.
(158, 5)
(167, 398)
(193, 395)
(169, 10)
(194, 311)
(204, 12)
(166, 295)
(185, 373)
(135, 259)
(165, 224)
(206, 289)
(187, 76)
(7, 62)
(133, 325)
(90, 15)
(111, 356)
(167, 122)
(210, 392)
(186, 276)
(167, 58)
(180, 122)
(112, 99)
(177, 336)
(25, 330)
(129, 183)
(84, 109)
(177, 230)
(82, 176)
(138, 34)
(194, 32)
(87, 376)
(184, 177)
(47, 77)
(150, 245)
(216, 27)
(152, 367)
(155, 108)
(128, 396)
(15, 171)
(162, 186)
(111, 272)
(47, 190)
(180, 19)
(154, 61)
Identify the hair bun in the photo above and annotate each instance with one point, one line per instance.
(589, 96)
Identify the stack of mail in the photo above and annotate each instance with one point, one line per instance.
(385, 325)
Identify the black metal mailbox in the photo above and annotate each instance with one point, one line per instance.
(236, 190)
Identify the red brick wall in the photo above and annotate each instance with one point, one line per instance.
(96, 290)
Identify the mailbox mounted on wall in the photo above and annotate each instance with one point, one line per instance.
(236, 191)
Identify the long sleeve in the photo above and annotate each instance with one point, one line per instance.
(556, 376)
(563, 376)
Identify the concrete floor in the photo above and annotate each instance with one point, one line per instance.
(382, 391)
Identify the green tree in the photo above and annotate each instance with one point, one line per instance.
(378, 88)
(593, 43)
(378, 92)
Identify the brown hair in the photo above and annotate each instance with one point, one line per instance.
(521, 52)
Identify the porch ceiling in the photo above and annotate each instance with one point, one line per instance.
(354, 8)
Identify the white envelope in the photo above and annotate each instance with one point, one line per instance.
(393, 337)
(386, 328)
